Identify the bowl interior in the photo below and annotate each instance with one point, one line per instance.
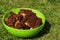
(38, 14)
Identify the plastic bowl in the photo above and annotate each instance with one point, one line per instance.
(24, 33)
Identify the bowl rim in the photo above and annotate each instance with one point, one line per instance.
(3, 22)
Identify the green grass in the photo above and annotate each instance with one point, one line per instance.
(50, 8)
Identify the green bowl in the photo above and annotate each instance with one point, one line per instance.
(24, 33)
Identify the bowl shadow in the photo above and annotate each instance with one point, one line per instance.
(44, 31)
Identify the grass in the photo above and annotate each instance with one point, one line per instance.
(51, 10)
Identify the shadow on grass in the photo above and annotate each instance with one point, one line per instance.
(44, 31)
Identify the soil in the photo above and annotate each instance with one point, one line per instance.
(25, 19)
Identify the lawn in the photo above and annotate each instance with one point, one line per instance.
(51, 10)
